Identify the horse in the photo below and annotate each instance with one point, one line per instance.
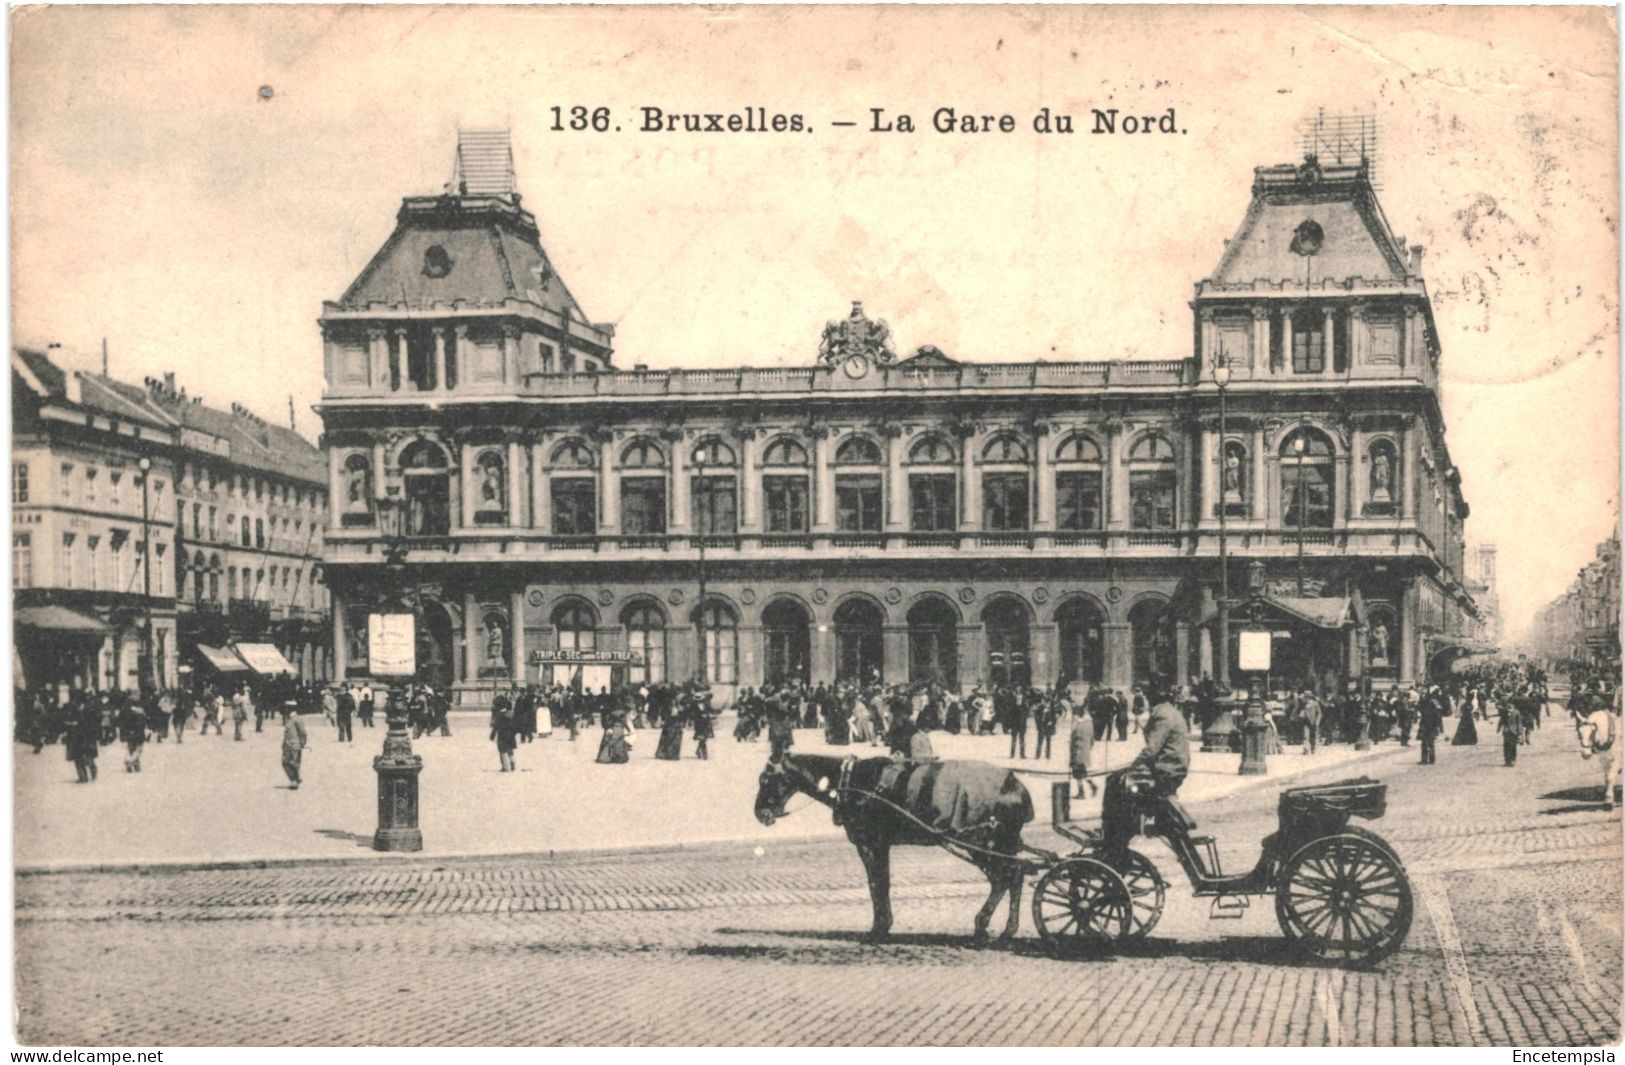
(1598, 732)
(984, 808)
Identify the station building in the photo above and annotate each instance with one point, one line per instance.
(868, 514)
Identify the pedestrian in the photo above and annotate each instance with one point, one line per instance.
(1405, 713)
(670, 747)
(1081, 747)
(239, 713)
(704, 729)
(442, 710)
(1046, 720)
(1510, 726)
(133, 730)
(1013, 710)
(294, 741)
(83, 737)
(1140, 708)
(1466, 731)
(1429, 725)
(504, 732)
(253, 705)
(181, 713)
(1309, 711)
(343, 714)
(364, 701)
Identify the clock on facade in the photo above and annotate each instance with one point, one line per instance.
(855, 366)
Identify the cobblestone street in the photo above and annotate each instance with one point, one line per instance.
(1516, 941)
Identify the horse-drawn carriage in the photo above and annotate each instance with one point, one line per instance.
(1341, 893)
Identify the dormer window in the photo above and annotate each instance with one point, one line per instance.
(436, 261)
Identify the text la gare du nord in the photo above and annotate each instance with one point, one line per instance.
(949, 120)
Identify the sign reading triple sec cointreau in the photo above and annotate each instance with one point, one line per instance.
(391, 645)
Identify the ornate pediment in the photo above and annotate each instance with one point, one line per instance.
(855, 342)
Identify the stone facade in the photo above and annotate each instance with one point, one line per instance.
(907, 518)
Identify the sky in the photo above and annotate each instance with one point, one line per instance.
(191, 183)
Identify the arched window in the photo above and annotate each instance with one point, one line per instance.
(858, 492)
(931, 451)
(718, 630)
(857, 451)
(787, 635)
(715, 495)
(259, 533)
(572, 455)
(576, 627)
(643, 455)
(356, 499)
(1152, 637)
(859, 646)
(573, 490)
(490, 489)
(1004, 448)
(425, 471)
(1382, 478)
(933, 486)
(784, 452)
(784, 486)
(1081, 628)
(933, 644)
(645, 626)
(1008, 644)
(1080, 485)
(643, 493)
(1307, 488)
(1153, 484)
(1234, 481)
(1005, 491)
(713, 452)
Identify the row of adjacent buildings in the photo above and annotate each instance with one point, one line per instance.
(1582, 625)
(136, 506)
(929, 517)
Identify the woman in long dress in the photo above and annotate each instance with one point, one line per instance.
(544, 715)
(670, 748)
(616, 746)
(862, 725)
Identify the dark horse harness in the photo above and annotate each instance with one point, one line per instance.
(847, 800)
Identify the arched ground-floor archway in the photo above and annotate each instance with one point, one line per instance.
(860, 649)
(1009, 644)
(933, 644)
(786, 643)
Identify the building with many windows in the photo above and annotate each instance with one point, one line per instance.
(236, 509)
(92, 546)
(927, 517)
(1581, 626)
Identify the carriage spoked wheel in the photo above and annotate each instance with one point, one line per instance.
(1081, 904)
(1146, 890)
(1345, 898)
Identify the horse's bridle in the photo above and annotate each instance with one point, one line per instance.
(821, 791)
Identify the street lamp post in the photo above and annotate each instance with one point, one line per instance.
(397, 767)
(145, 466)
(1298, 446)
(705, 524)
(1254, 729)
(1221, 731)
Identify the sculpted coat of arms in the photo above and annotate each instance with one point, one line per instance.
(855, 338)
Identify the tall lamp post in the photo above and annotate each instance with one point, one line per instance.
(1221, 731)
(397, 767)
(1255, 662)
(145, 465)
(1298, 446)
(704, 529)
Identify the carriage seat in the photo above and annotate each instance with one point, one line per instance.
(1174, 817)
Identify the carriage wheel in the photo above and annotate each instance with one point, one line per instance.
(1081, 903)
(1146, 889)
(1345, 898)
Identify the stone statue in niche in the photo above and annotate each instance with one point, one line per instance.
(1379, 644)
(496, 648)
(490, 486)
(1382, 476)
(1232, 475)
(355, 488)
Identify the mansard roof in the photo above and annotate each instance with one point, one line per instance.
(1353, 242)
(489, 251)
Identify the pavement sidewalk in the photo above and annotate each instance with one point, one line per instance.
(214, 802)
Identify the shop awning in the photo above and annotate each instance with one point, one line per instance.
(265, 659)
(1324, 613)
(57, 619)
(222, 660)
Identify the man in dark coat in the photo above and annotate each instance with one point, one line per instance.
(1429, 726)
(345, 713)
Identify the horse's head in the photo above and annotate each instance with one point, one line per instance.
(776, 784)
